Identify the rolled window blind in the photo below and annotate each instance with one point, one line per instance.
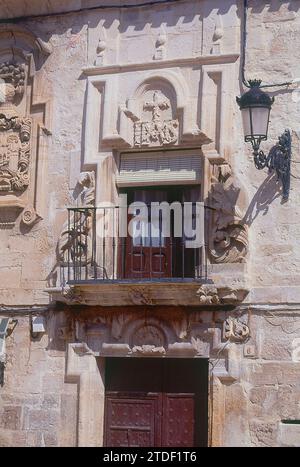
(159, 168)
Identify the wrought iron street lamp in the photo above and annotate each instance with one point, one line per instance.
(255, 106)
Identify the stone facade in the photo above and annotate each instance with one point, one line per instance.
(79, 90)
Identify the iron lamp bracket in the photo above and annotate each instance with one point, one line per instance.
(278, 160)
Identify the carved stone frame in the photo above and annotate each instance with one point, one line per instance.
(21, 46)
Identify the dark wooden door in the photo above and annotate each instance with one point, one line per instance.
(148, 252)
(156, 402)
(151, 255)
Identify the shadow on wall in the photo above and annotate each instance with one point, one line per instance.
(268, 191)
(135, 19)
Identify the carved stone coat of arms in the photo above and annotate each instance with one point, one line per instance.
(157, 131)
(15, 130)
(15, 135)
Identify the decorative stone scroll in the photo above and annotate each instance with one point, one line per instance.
(229, 239)
(235, 330)
(157, 131)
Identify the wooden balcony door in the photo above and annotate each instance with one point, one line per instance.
(148, 253)
(156, 402)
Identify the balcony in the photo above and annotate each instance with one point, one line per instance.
(108, 258)
(98, 247)
(133, 260)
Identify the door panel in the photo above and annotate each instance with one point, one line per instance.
(132, 422)
(178, 420)
(156, 402)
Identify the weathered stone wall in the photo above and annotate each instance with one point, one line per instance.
(268, 391)
(37, 406)
(273, 56)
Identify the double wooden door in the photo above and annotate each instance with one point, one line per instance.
(156, 402)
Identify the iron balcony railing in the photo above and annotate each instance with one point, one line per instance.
(108, 244)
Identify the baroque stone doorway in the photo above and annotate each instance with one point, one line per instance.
(217, 337)
(156, 402)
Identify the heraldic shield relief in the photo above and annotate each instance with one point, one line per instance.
(15, 131)
(14, 152)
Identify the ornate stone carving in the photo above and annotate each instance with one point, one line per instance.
(15, 131)
(140, 296)
(149, 350)
(229, 239)
(212, 295)
(72, 296)
(25, 116)
(208, 295)
(29, 216)
(148, 335)
(235, 330)
(157, 131)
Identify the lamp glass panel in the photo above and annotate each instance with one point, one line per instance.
(246, 122)
(260, 120)
(255, 121)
